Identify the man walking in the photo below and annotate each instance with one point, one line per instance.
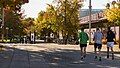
(98, 43)
(110, 42)
(83, 43)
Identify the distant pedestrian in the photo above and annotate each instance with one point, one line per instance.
(98, 43)
(92, 35)
(83, 42)
(110, 42)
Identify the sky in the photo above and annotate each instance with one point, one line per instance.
(35, 6)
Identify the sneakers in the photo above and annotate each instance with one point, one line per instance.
(95, 57)
(112, 56)
(83, 57)
(99, 59)
(107, 56)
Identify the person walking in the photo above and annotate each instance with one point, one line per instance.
(83, 42)
(98, 43)
(110, 42)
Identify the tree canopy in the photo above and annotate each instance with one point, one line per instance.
(13, 14)
(61, 17)
(113, 12)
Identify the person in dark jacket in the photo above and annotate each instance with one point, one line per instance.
(110, 42)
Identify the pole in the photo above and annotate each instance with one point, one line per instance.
(65, 12)
(7, 33)
(64, 32)
(119, 26)
(90, 8)
(119, 36)
(3, 23)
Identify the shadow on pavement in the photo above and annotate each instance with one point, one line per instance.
(59, 58)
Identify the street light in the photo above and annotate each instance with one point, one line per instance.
(90, 8)
(64, 38)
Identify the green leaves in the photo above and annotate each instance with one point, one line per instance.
(12, 14)
(63, 17)
(28, 25)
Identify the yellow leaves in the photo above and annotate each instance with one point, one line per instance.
(113, 14)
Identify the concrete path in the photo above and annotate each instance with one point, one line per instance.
(49, 55)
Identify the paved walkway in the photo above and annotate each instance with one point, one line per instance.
(53, 56)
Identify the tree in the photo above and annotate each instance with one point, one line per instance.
(68, 11)
(113, 14)
(62, 17)
(28, 25)
(12, 15)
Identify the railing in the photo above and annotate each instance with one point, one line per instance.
(95, 16)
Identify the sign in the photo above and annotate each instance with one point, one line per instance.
(32, 36)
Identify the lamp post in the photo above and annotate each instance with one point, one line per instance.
(64, 15)
(90, 8)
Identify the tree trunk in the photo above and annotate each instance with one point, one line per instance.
(119, 36)
(115, 33)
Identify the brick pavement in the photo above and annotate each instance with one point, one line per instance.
(51, 55)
